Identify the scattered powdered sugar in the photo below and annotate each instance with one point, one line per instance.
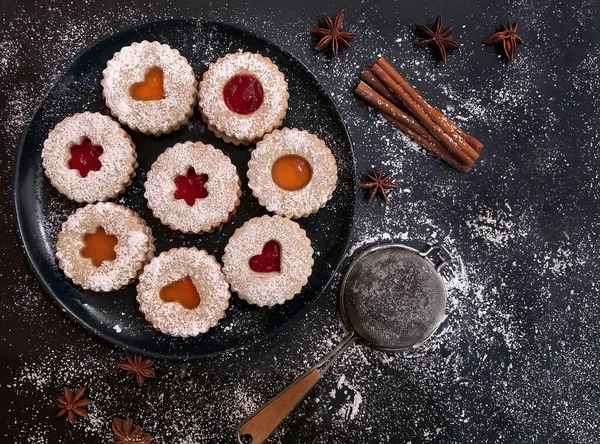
(497, 229)
(514, 359)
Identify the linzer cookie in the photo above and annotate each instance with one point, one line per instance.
(268, 260)
(150, 87)
(193, 187)
(183, 292)
(89, 158)
(242, 97)
(292, 173)
(104, 246)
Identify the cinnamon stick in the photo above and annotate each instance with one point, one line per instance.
(408, 125)
(439, 152)
(447, 137)
(381, 104)
(368, 76)
(374, 83)
(435, 114)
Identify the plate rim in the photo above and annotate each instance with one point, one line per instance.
(110, 340)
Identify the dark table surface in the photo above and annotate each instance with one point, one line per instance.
(516, 359)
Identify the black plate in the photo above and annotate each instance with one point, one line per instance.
(40, 209)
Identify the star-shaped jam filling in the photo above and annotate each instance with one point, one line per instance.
(191, 186)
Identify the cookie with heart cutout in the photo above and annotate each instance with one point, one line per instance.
(150, 87)
(268, 260)
(183, 292)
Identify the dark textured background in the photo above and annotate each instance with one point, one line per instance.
(516, 359)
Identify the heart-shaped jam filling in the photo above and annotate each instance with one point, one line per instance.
(243, 94)
(182, 291)
(99, 246)
(152, 88)
(191, 186)
(85, 157)
(269, 260)
(291, 172)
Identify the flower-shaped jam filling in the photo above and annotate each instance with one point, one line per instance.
(243, 94)
(99, 246)
(291, 172)
(85, 157)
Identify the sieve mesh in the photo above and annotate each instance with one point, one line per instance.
(393, 298)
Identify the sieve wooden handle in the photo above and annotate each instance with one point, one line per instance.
(265, 420)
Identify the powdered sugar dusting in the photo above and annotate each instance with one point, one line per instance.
(243, 128)
(514, 359)
(298, 203)
(206, 213)
(135, 245)
(173, 318)
(118, 157)
(268, 289)
(130, 66)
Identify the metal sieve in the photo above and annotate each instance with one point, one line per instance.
(392, 297)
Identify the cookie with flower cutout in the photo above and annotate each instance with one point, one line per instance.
(150, 87)
(88, 157)
(242, 97)
(183, 292)
(292, 173)
(268, 260)
(193, 187)
(104, 246)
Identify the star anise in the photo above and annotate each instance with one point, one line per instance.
(379, 183)
(509, 38)
(73, 405)
(332, 34)
(126, 433)
(138, 368)
(437, 38)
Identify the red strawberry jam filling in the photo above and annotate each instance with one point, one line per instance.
(243, 94)
(85, 157)
(269, 260)
(191, 186)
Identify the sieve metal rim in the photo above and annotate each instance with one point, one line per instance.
(423, 255)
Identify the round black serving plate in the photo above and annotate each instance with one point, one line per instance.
(40, 209)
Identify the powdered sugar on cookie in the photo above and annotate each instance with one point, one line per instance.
(171, 317)
(268, 289)
(236, 128)
(205, 214)
(134, 248)
(130, 66)
(299, 203)
(118, 157)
